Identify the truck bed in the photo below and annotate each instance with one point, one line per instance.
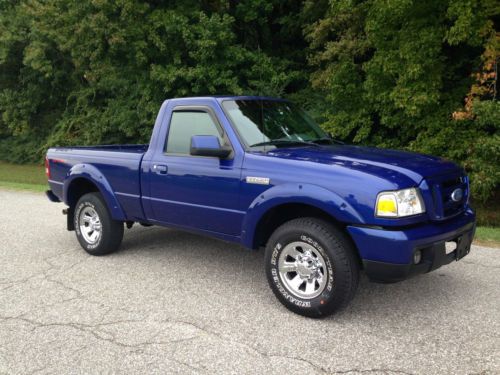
(138, 149)
(119, 165)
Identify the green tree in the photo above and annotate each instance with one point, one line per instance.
(96, 72)
(408, 74)
(394, 72)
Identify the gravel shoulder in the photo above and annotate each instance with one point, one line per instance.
(174, 302)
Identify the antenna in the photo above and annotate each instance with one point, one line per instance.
(260, 68)
(260, 94)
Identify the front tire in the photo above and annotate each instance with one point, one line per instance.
(95, 229)
(311, 267)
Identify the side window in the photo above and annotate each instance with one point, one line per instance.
(185, 124)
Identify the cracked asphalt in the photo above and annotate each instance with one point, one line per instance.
(173, 302)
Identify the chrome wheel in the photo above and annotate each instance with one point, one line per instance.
(90, 225)
(302, 270)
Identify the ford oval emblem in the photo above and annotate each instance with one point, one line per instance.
(457, 195)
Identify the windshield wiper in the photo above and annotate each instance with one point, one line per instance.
(290, 142)
(325, 140)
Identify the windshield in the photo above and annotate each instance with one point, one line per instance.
(267, 122)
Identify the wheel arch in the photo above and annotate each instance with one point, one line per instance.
(85, 178)
(283, 203)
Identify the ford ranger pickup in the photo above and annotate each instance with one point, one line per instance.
(260, 172)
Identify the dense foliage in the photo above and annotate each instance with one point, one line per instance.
(408, 74)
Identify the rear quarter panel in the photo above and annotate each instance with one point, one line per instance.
(116, 171)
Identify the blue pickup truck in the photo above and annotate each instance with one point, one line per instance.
(260, 172)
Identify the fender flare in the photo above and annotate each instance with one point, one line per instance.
(309, 194)
(92, 174)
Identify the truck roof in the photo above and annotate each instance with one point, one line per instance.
(221, 98)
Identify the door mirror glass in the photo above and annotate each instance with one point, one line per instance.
(208, 145)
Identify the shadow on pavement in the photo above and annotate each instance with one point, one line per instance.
(245, 268)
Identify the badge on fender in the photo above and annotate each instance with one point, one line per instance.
(257, 180)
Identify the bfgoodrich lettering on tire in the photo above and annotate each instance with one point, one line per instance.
(96, 231)
(311, 267)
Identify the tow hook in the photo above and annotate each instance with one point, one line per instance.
(65, 211)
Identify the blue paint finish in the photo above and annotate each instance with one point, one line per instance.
(194, 186)
(287, 193)
(397, 246)
(111, 169)
(56, 187)
(91, 173)
(191, 189)
(211, 196)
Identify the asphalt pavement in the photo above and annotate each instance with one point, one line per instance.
(173, 302)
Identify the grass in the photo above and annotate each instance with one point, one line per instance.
(488, 236)
(26, 174)
(23, 177)
(23, 186)
(32, 178)
(488, 214)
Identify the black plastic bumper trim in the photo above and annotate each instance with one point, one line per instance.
(52, 197)
(433, 257)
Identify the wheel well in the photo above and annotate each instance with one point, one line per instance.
(279, 215)
(79, 187)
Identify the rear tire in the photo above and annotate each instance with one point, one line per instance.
(311, 267)
(95, 229)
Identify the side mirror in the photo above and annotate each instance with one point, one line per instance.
(208, 145)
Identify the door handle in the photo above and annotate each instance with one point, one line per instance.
(160, 168)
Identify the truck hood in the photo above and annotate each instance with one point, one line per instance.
(380, 162)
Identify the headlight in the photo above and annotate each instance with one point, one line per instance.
(399, 203)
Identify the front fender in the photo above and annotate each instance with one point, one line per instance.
(308, 194)
(92, 174)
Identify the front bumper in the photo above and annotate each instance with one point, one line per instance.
(387, 255)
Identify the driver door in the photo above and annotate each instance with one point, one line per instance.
(198, 192)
